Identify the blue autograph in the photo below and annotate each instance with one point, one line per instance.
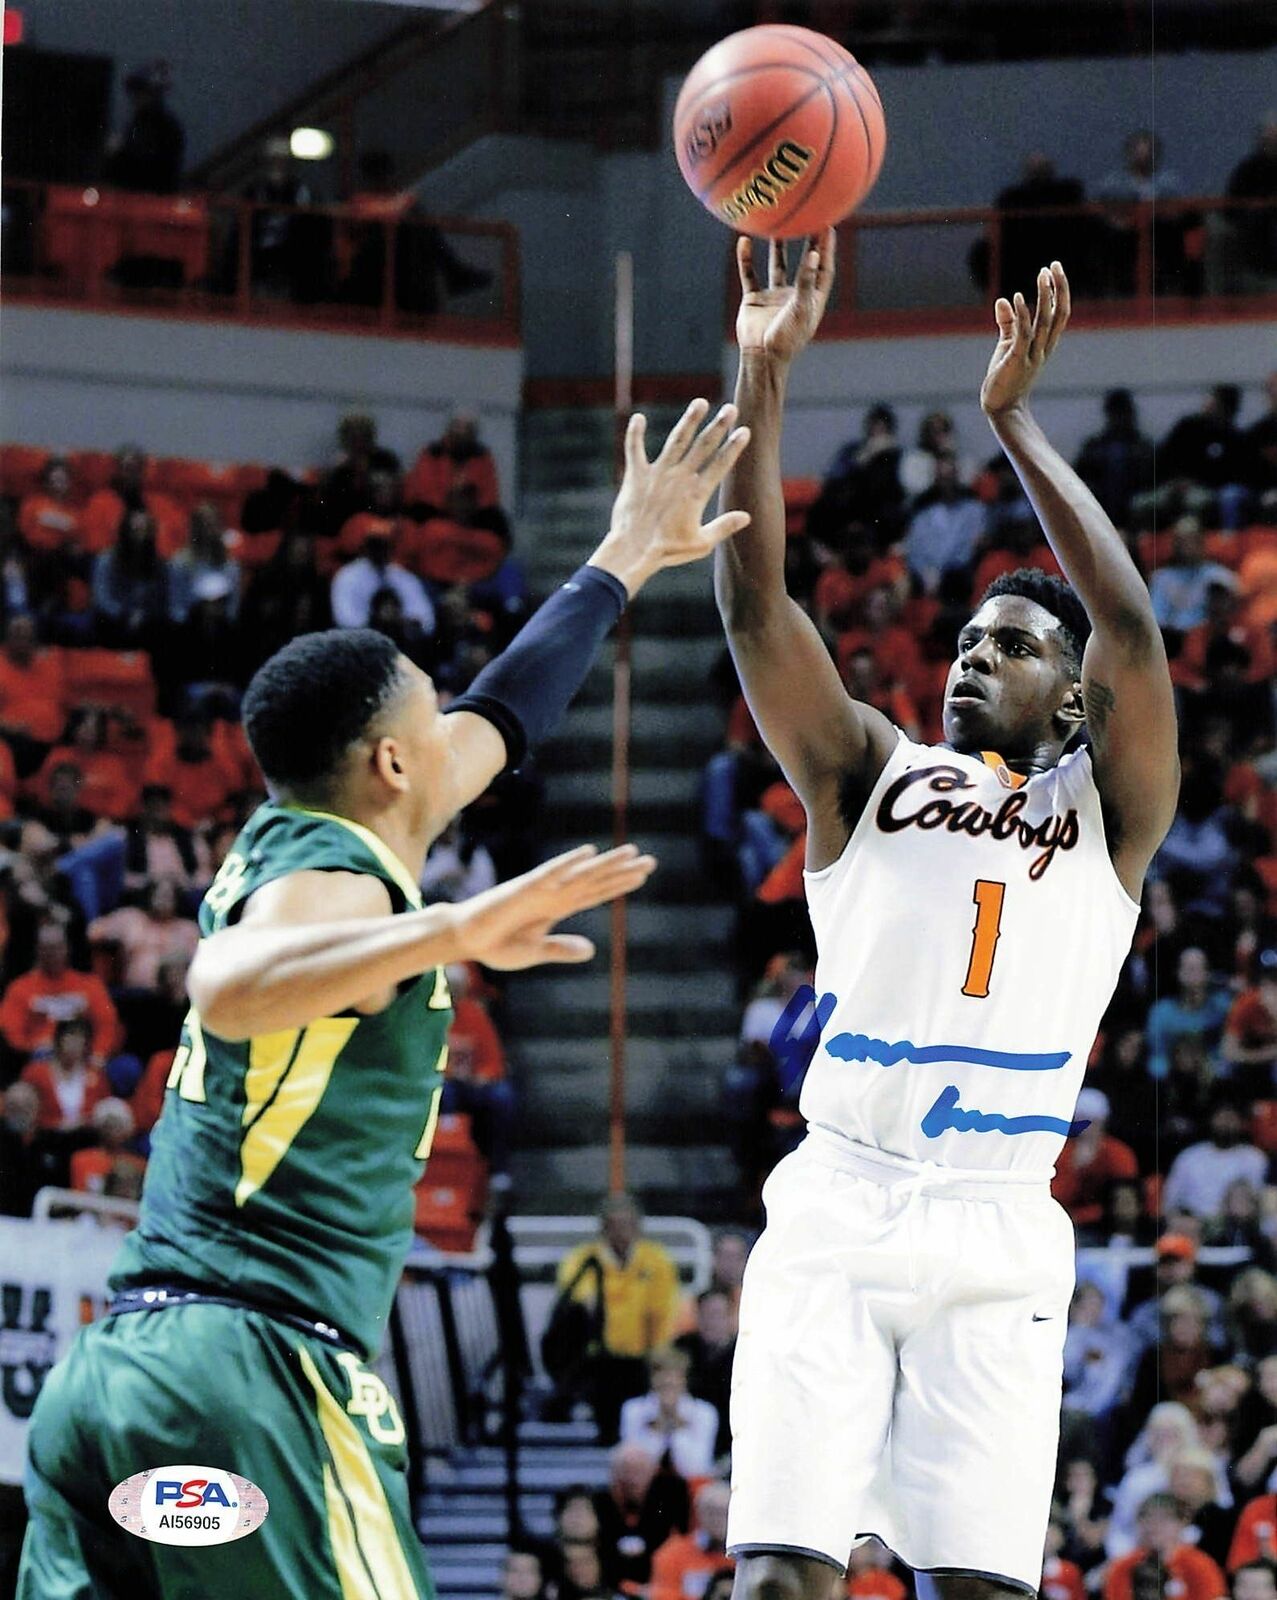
(794, 1052)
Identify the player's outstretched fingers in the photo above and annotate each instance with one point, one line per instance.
(683, 432)
(635, 448)
(1063, 304)
(777, 266)
(561, 947)
(711, 438)
(745, 264)
(1023, 321)
(717, 468)
(1044, 316)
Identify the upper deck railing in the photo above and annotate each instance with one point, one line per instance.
(939, 271)
(374, 266)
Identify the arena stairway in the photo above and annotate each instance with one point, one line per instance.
(462, 1515)
(682, 1009)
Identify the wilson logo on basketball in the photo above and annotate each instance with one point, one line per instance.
(707, 132)
(766, 187)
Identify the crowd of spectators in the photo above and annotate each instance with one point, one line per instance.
(1168, 1457)
(1228, 251)
(132, 618)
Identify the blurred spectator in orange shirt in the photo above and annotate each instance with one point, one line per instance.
(1258, 577)
(109, 1167)
(865, 682)
(48, 520)
(850, 577)
(101, 519)
(682, 1565)
(147, 1100)
(869, 1574)
(1163, 1553)
(107, 787)
(460, 544)
(148, 935)
(1255, 1537)
(894, 649)
(1250, 1033)
(33, 706)
(67, 1081)
(1089, 1163)
(474, 1048)
(1061, 1579)
(8, 780)
(190, 770)
(53, 992)
(459, 459)
(475, 1082)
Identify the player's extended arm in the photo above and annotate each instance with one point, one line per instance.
(313, 944)
(1126, 684)
(818, 734)
(656, 523)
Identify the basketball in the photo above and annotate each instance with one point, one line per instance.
(779, 131)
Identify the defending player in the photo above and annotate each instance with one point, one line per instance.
(278, 1203)
(898, 1370)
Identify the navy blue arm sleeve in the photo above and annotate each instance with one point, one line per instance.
(529, 686)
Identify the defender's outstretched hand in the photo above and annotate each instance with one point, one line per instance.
(1025, 340)
(781, 319)
(509, 927)
(656, 520)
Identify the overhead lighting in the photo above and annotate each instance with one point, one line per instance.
(310, 144)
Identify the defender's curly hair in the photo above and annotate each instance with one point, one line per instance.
(1053, 595)
(308, 704)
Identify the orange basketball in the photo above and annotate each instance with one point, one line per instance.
(779, 131)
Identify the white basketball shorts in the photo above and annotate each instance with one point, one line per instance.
(899, 1367)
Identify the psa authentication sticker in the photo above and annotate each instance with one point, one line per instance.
(188, 1505)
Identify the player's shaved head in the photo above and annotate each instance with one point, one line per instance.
(313, 700)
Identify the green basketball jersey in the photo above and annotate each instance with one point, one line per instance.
(282, 1167)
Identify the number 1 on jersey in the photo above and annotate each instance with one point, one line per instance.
(988, 898)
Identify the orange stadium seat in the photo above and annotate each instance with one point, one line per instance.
(91, 470)
(20, 468)
(189, 482)
(174, 227)
(110, 678)
(444, 1217)
(80, 235)
(799, 493)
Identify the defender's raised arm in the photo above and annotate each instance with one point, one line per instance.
(824, 740)
(1126, 685)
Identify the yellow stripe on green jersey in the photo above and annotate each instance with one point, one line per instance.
(282, 1167)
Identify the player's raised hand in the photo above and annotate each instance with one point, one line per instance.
(1025, 340)
(782, 319)
(656, 519)
(512, 926)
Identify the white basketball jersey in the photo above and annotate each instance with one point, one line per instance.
(970, 937)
